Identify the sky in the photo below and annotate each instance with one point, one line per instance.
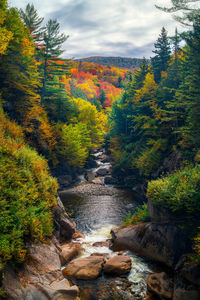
(126, 28)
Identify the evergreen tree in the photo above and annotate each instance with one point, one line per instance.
(102, 97)
(140, 74)
(162, 51)
(32, 21)
(190, 11)
(188, 94)
(53, 41)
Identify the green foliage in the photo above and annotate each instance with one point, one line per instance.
(162, 51)
(179, 191)
(32, 21)
(140, 215)
(75, 144)
(27, 195)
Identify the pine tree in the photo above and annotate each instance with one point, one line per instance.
(33, 22)
(162, 51)
(53, 41)
(190, 11)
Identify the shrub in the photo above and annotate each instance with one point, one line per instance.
(179, 191)
(140, 215)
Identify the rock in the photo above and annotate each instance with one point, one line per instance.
(118, 265)
(161, 214)
(87, 268)
(191, 273)
(69, 251)
(159, 242)
(65, 227)
(90, 176)
(40, 277)
(65, 181)
(102, 171)
(160, 285)
(184, 290)
(182, 294)
(97, 181)
(104, 255)
(78, 235)
(120, 253)
(110, 180)
(101, 244)
(105, 159)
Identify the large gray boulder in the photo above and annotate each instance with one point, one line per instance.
(159, 242)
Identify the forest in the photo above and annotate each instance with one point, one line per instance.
(56, 111)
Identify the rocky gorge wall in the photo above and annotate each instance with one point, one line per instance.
(162, 241)
(40, 277)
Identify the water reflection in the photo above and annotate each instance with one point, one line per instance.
(90, 212)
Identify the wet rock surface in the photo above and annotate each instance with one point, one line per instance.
(69, 251)
(118, 265)
(159, 242)
(87, 268)
(161, 285)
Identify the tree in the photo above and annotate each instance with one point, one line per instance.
(5, 34)
(102, 97)
(32, 21)
(162, 51)
(53, 41)
(190, 12)
(140, 74)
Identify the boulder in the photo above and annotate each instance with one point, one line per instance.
(78, 235)
(159, 242)
(118, 265)
(102, 171)
(101, 244)
(182, 294)
(160, 285)
(40, 278)
(191, 273)
(69, 251)
(90, 176)
(97, 180)
(64, 226)
(184, 290)
(87, 268)
(65, 181)
(110, 180)
(161, 214)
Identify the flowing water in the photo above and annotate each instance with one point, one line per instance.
(96, 209)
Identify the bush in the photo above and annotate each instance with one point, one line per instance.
(140, 215)
(178, 192)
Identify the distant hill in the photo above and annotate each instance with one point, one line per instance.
(119, 62)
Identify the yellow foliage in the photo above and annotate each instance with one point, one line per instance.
(5, 35)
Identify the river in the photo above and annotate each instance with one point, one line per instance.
(96, 208)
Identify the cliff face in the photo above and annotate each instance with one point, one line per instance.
(40, 277)
(163, 241)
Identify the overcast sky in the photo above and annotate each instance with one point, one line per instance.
(106, 27)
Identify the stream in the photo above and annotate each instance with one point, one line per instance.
(96, 208)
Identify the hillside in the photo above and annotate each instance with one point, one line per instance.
(119, 62)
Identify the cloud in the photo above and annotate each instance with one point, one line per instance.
(106, 27)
